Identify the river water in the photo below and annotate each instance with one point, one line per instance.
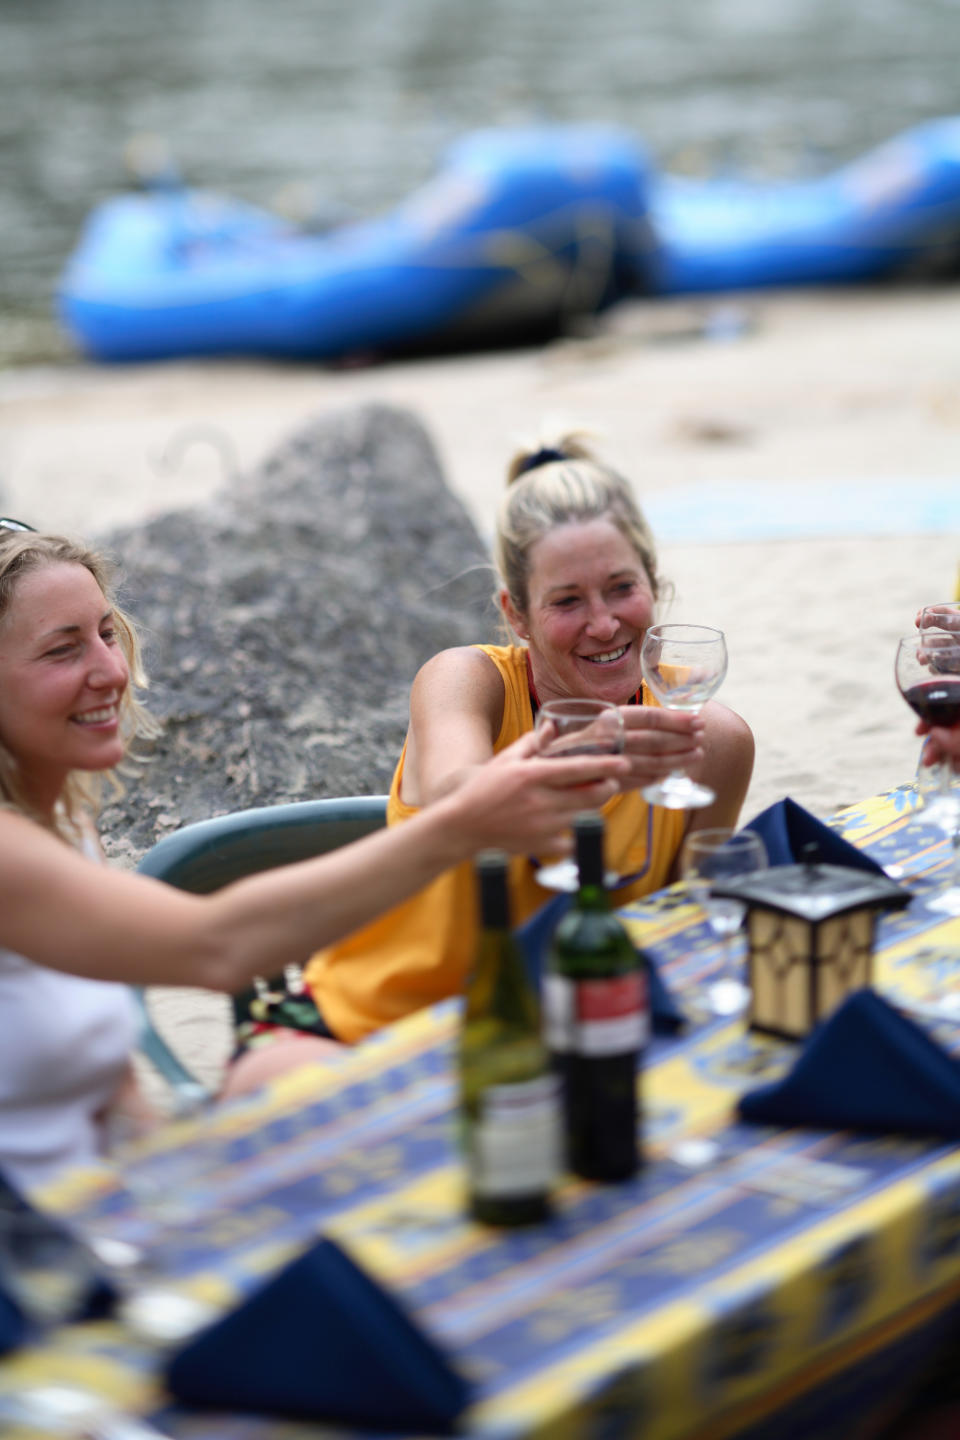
(345, 105)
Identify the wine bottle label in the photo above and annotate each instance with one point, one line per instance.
(596, 1017)
(517, 1139)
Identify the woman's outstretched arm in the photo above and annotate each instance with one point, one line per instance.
(60, 910)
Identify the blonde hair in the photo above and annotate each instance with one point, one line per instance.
(561, 482)
(20, 553)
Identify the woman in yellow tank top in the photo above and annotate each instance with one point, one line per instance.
(579, 587)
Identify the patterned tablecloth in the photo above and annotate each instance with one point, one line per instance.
(727, 1285)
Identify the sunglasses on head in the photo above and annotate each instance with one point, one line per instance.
(7, 524)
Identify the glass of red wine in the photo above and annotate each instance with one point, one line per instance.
(928, 677)
(940, 782)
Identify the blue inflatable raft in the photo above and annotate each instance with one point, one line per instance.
(894, 211)
(519, 233)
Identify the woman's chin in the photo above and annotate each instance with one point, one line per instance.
(618, 682)
(106, 757)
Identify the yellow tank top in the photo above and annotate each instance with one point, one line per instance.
(420, 951)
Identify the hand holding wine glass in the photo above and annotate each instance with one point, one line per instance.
(936, 766)
(944, 615)
(575, 727)
(709, 856)
(579, 727)
(927, 670)
(928, 677)
(684, 666)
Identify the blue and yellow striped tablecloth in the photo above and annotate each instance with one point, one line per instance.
(700, 1299)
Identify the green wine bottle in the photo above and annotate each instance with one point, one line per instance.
(597, 1014)
(510, 1101)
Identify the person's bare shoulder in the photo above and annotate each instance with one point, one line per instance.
(456, 710)
(726, 724)
(460, 680)
(729, 751)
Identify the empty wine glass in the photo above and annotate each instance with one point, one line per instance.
(927, 670)
(154, 1302)
(576, 727)
(54, 1277)
(683, 666)
(48, 1270)
(72, 1411)
(709, 856)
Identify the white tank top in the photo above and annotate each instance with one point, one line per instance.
(65, 1044)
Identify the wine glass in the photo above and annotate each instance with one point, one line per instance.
(715, 855)
(944, 616)
(576, 727)
(938, 791)
(52, 1274)
(580, 727)
(683, 666)
(928, 677)
(47, 1269)
(153, 1303)
(72, 1411)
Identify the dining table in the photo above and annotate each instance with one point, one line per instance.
(751, 1280)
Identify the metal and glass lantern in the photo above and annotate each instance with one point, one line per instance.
(810, 932)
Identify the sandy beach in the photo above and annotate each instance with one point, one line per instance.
(799, 456)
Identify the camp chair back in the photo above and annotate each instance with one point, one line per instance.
(206, 856)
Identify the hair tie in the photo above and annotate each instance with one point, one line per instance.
(546, 456)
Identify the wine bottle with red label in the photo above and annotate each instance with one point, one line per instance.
(597, 1022)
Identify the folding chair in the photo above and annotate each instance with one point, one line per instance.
(204, 857)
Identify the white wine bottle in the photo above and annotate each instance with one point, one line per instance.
(510, 1100)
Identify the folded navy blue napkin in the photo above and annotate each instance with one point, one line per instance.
(534, 934)
(321, 1341)
(786, 828)
(866, 1067)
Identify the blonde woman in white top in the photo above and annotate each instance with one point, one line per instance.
(69, 666)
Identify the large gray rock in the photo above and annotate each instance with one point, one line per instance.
(284, 621)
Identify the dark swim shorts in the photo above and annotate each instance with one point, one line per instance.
(274, 1007)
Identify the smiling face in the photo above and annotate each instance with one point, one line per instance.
(62, 677)
(590, 602)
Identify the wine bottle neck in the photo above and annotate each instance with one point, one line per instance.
(592, 897)
(494, 900)
(590, 863)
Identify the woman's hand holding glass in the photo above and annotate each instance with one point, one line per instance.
(927, 671)
(658, 741)
(515, 801)
(566, 728)
(579, 727)
(944, 615)
(683, 665)
(938, 769)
